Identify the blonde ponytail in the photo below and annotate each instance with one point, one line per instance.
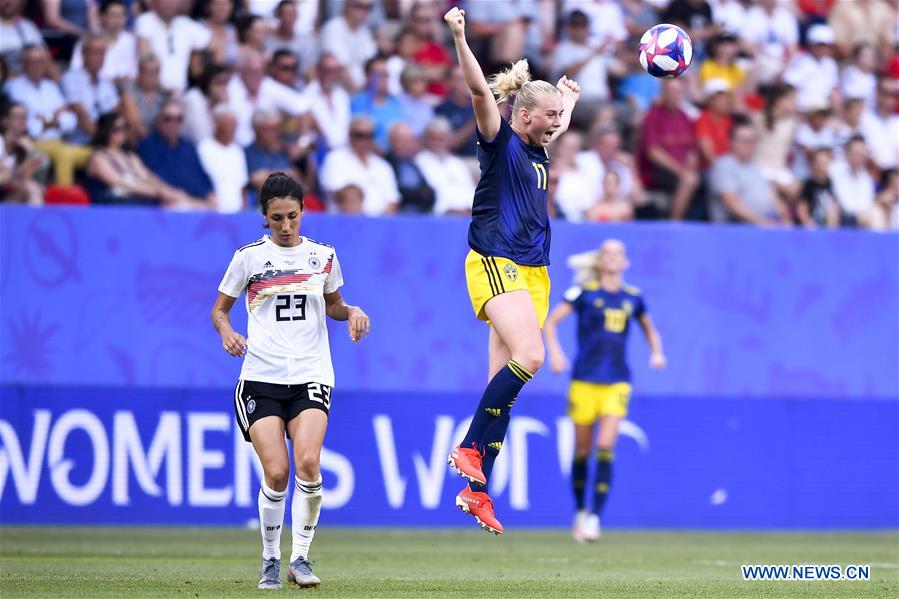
(508, 83)
(515, 82)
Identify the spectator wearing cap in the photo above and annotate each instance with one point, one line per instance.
(359, 165)
(858, 79)
(177, 41)
(668, 150)
(858, 21)
(174, 158)
(880, 126)
(771, 35)
(89, 93)
(329, 102)
(853, 185)
(714, 122)
(814, 72)
(740, 193)
(225, 161)
(376, 103)
(349, 39)
(120, 60)
(446, 174)
(457, 109)
(579, 57)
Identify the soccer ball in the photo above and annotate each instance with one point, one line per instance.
(665, 51)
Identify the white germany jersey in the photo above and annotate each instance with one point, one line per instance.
(287, 337)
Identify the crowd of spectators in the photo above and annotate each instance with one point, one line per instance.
(788, 115)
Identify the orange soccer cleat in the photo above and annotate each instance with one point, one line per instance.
(467, 462)
(480, 506)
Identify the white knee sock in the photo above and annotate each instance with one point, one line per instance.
(305, 508)
(271, 518)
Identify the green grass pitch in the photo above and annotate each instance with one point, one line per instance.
(192, 562)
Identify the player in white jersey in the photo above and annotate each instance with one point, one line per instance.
(291, 284)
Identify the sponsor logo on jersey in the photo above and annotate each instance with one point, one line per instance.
(251, 406)
(268, 265)
(511, 272)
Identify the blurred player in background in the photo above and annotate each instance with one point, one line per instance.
(509, 238)
(285, 383)
(600, 386)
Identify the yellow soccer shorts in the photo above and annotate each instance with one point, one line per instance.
(488, 277)
(589, 401)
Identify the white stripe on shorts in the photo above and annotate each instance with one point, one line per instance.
(241, 408)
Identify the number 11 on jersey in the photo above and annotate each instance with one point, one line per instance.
(542, 178)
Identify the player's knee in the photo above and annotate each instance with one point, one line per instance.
(308, 465)
(277, 477)
(532, 358)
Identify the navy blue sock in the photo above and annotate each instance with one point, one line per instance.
(493, 443)
(604, 460)
(579, 480)
(497, 399)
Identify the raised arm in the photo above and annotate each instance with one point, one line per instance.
(557, 359)
(571, 92)
(485, 109)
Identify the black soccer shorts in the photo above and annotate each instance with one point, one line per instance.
(254, 400)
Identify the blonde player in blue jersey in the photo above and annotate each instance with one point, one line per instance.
(509, 238)
(600, 386)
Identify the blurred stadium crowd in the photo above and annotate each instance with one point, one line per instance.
(787, 116)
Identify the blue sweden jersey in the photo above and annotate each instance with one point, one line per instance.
(603, 322)
(509, 217)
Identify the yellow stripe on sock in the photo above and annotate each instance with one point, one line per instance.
(519, 371)
(605, 455)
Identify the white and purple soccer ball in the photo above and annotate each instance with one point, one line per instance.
(665, 51)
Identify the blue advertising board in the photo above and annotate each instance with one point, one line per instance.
(779, 408)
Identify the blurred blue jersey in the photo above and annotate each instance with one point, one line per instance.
(509, 217)
(603, 322)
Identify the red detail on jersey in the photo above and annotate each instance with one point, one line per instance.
(277, 279)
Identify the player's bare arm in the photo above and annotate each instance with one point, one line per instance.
(657, 356)
(485, 109)
(358, 323)
(233, 342)
(571, 93)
